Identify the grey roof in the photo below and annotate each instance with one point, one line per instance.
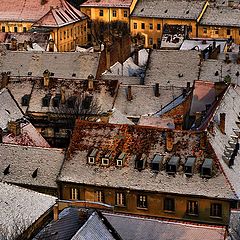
(137, 140)
(220, 141)
(134, 228)
(234, 226)
(94, 229)
(65, 227)
(20, 209)
(180, 9)
(63, 65)
(217, 70)
(9, 110)
(24, 160)
(221, 16)
(144, 94)
(172, 68)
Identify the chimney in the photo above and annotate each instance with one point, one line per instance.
(222, 122)
(227, 59)
(51, 45)
(108, 57)
(214, 44)
(20, 46)
(46, 79)
(63, 98)
(14, 44)
(129, 93)
(25, 45)
(188, 86)
(136, 57)
(14, 127)
(4, 80)
(178, 122)
(90, 82)
(157, 93)
(1, 135)
(105, 117)
(30, 43)
(169, 141)
(55, 212)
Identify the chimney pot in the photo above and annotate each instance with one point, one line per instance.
(222, 122)
(14, 127)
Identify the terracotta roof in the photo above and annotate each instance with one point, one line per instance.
(28, 10)
(107, 3)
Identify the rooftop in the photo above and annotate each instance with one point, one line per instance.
(221, 16)
(139, 144)
(33, 166)
(172, 68)
(180, 9)
(20, 208)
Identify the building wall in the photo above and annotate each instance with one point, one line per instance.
(122, 14)
(219, 32)
(15, 26)
(155, 203)
(154, 33)
(68, 37)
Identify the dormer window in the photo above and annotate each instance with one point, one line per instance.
(140, 162)
(206, 170)
(92, 156)
(157, 162)
(105, 161)
(120, 159)
(172, 165)
(56, 100)
(46, 100)
(189, 166)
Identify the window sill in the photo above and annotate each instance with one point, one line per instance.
(169, 211)
(215, 217)
(192, 214)
(142, 208)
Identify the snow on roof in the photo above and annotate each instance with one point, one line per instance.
(24, 161)
(172, 68)
(9, 111)
(94, 229)
(144, 94)
(137, 141)
(198, 44)
(219, 141)
(20, 208)
(134, 228)
(117, 117)
(143, 57)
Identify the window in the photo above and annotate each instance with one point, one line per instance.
(150, 41)
(204, 30)
(135, 25)
(158, 26)
(3, 29)
(143, 25)
(120, 199)
(101, 13)
(125, 13)
(114, 13)
(216, 210)
(169, 204)
(24, 29)
(74, 194)
(150, 26)
(91, 160)
(15, 29)
(142, 201)
(228, 31)
(216, 31)
(105, 161)
(119, 162)
(99, 197)
(192, 207)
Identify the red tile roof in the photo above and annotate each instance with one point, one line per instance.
(28, 10)
(107, 3)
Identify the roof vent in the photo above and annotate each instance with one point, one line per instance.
(166, 11)
(34, 175)
(6, 171)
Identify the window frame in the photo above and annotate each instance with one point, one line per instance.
(216, 210)
(114, 13)
(99, 196)
(150, 26)
(120, 199)
(142, 201)
(135, 25)
(192, 207)
(101, 13)
(125, 13)
(91, 158)
(105, 159)
(158, 26)
(74, 194)
(169, 204)
(142, 25)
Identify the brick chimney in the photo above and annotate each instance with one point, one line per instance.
(105, 117)
(14, 44)
(222, 122)
(4, 80)
(55, 212)
(14, 127)
(169, 141)
(90, 82)
(178, 122)
(108, 57)
(129, 93)
(135, 54)
(157, 93)
(46, 78)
